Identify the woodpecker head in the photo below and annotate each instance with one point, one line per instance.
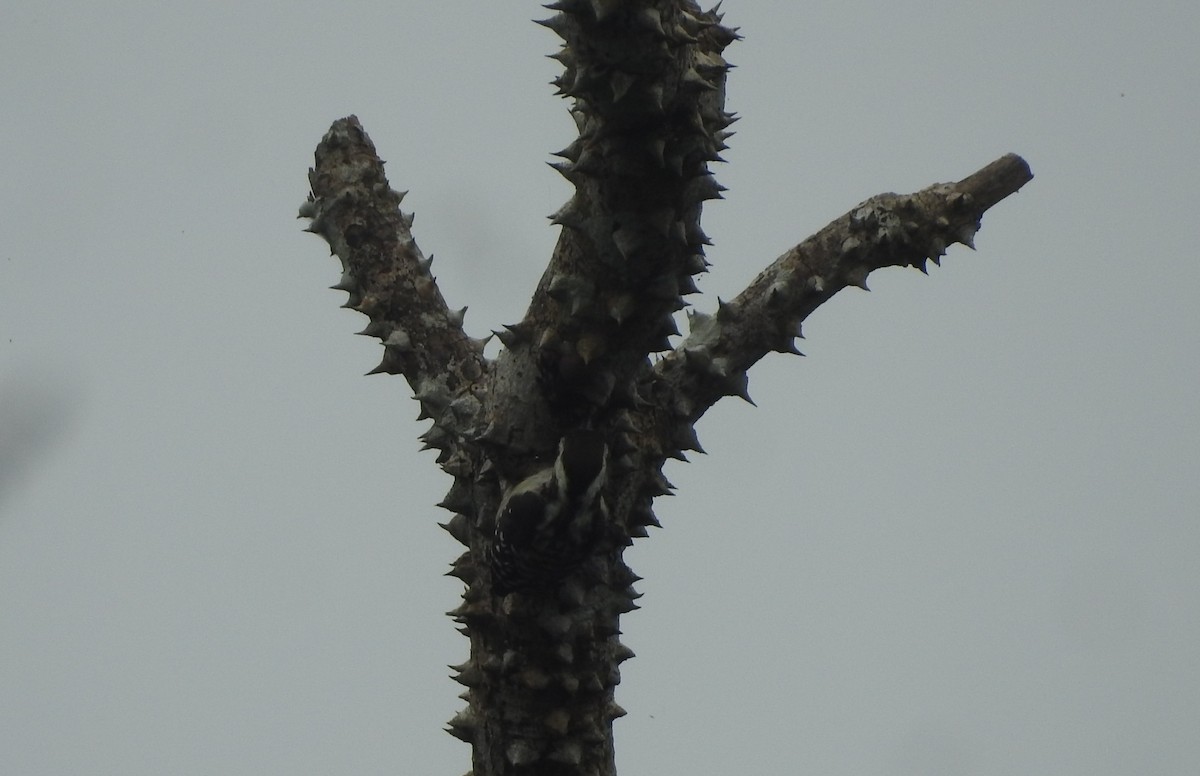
(581, 465)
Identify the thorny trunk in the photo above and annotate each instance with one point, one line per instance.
(647, 81)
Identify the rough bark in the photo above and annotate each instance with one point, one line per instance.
(647, 82)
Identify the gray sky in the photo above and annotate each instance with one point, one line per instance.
(958, 538)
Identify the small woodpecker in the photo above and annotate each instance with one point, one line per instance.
(548, 522)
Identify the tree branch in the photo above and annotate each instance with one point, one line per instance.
(388, 279)
(885, 231)
(647, 84)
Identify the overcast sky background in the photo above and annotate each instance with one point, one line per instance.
(960, 537)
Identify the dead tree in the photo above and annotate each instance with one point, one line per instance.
(646, 80)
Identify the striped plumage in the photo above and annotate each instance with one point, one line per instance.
(547, 523)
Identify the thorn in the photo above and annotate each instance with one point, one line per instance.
(375, 329)
(602, 8)
(695, 263)
(697, 320)
(459, 465)
(512, 335)
(620, 307)
(558, 24)
(458, 498)
(966, 235)
(571, 152)
(568, 170)
(458, 527)
(660, 345)
(681, 35)
(590, 348)
(657, 485)
(463, 725)
(857, 276)
(346, 283)
(702, 188)
(564, 288)
(389, 365)
(433, 393)
(399, 340)
(620, 653)
(621, 81)
(643, 516)
(693, 78)
(628, 240)
(492, 435)
(686, 438)
(467, 675)
(789, 347)
(738, 384)
(521, 752)
(569, 215)
(651, 19)
(435, 438)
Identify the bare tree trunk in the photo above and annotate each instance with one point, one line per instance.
(647, 81)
